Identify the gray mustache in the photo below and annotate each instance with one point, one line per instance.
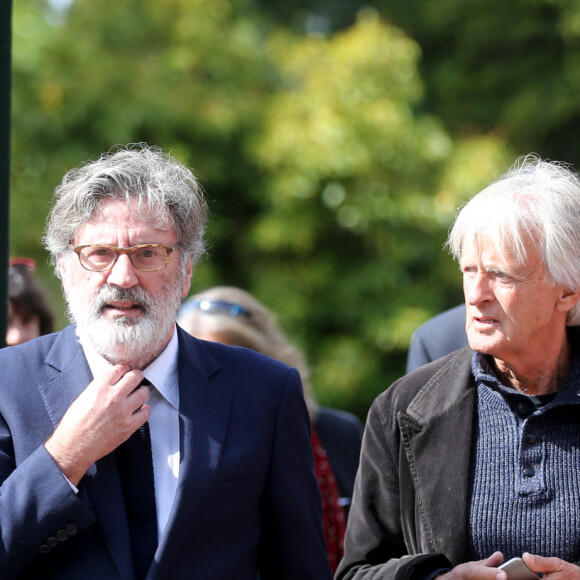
(107, 294)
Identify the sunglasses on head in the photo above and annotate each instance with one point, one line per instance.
(216, 307)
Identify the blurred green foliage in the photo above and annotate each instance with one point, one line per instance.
(332, 174)
(508, 67)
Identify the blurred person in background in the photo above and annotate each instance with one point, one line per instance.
(440, 335)
(474, 459)
(29, 313)
(232, 316)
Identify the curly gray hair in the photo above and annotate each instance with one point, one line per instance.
(161, 190)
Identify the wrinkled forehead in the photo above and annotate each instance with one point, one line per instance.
(136, 210)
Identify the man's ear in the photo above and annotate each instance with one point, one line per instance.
(62, 265)
(187, 280)
(568, 300)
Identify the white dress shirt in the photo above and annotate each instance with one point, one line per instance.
(163, 421)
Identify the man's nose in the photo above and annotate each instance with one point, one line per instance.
(477, 288)
(122, 274)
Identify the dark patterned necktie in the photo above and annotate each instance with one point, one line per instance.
(135, 465)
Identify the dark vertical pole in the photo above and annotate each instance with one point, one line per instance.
(5, 108)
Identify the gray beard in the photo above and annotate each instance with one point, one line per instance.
(135, 343)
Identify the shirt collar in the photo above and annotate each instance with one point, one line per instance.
(162, 372)
(483, 373)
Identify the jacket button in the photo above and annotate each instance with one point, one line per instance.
(52, 542)
(71, 529)
(44, 549)
(61, 536)
(529, 472)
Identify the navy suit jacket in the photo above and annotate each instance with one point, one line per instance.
(247, 500)
(439, 336)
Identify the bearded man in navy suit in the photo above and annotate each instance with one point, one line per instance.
(202, 471)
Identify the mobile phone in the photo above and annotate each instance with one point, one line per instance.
(517, 570)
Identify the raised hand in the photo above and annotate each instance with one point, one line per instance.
(104, 415)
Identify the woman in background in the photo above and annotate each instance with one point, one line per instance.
(29, 315)
(232, 316)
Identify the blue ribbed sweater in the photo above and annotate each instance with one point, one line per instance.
(525, 478)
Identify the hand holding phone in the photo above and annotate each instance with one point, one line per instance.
(517, 570)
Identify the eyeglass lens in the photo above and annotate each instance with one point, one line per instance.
(146, 258)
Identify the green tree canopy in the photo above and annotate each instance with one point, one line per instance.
(509, 67)
(330, 192)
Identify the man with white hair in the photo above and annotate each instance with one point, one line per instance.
(474, 459)
(129, 449)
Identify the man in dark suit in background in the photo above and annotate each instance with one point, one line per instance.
(440, 335)
(204, 470)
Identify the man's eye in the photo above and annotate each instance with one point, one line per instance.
(99, 252)
(498, 274)
(147, 253)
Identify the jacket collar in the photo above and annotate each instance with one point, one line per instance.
(437, 432)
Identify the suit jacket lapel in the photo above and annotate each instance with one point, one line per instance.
(100, 489)
(440, 456)
(204, 409)
(68, 374)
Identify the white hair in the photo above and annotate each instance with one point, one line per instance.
(536, 200)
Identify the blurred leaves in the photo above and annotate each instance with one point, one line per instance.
(330, 187)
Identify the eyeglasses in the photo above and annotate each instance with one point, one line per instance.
(145, 257)
(216, 307)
